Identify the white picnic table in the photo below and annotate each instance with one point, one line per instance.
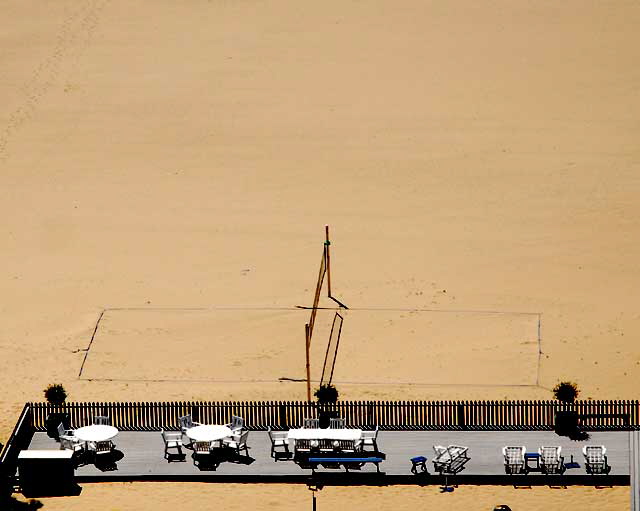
(208, 433)
(95, 433)
(325, 434)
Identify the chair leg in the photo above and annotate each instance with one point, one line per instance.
(168, 453)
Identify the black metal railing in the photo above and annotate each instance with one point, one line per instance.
(387, 415)
(19, 439)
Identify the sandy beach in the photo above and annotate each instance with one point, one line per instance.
(172, 167)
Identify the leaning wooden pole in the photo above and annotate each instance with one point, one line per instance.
(307, 343)
(326, 253)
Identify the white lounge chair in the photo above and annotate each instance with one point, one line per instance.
(514, 459)
(451, 460)
(438, 450)
(595, 457)
(550, 460)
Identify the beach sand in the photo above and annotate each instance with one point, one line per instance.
(232, 497)
(469, 157)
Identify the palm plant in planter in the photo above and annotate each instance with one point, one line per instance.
(326, 394)
(55, 394)
(566, 420)
(566, 391)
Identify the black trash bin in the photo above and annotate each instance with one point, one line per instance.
(325, 416)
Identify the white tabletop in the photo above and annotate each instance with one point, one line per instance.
(95, 433)
(325, 434)
(208, 433)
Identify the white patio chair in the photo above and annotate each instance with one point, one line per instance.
(238, 443)
(172, 440)
(345, 445)
(202, 452)
(514, 459)
(326, 445)
(337, 423)
(186, 423)
(279, 439)
(595, 457)
(62, 432)
(302, 445)
(310, 423)
(370, 438)
(72, 444)
(550, 460)
(101, 448)
(102, 420)
(237, 424)
(203, 447)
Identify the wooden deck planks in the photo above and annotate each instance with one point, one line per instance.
(143, 455)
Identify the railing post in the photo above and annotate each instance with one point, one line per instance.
(461, 421)
(282, 409)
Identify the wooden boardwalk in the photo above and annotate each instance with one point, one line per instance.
(142, 458)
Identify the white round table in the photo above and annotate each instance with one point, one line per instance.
(95, 433)
(208, 433)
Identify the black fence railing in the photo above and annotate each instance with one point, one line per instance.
(387, 415)
(19, 439)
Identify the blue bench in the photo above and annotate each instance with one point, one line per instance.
(347, 462)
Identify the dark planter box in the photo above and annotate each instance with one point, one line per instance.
(566, 423)
(324, 417)
(53, 420)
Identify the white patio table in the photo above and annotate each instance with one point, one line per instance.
(325, 434)
(208, 433)
(95, 433)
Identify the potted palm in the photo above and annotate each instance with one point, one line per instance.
(566, 421)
